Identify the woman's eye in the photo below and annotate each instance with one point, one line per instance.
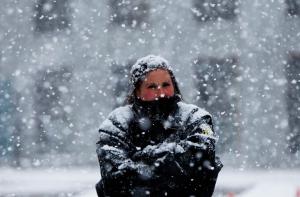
(166, 84)
(152, 86)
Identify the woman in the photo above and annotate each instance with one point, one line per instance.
(157, 145)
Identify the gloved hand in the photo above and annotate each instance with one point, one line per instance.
(167, 165)
(153, 152)
(125, 169)
(198, 154)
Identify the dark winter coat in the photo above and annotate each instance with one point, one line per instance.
(143, 151)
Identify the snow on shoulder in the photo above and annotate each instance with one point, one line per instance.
(187, 109)
(191, 114)
(121, 115)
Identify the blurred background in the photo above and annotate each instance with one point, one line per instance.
(64, 66)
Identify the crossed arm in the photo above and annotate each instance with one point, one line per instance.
(123, 166)
(193, 153)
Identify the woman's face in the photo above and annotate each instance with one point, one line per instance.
(157, 83)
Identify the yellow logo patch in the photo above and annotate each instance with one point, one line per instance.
(206, 130)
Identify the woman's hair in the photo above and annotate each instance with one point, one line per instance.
(131, 97)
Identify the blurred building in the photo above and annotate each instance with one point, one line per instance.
(238, 59)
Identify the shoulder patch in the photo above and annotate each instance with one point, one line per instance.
(206, 130)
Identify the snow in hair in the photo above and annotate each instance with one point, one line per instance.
(146, 64)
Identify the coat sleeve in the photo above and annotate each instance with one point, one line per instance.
(197, 136)
(190, 162)
(119, 172)
(198, 158)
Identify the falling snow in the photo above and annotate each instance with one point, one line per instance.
(64, 65)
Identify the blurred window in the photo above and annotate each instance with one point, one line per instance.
(51, 15)
(51, 106)
(132, 13)
(120, 77)
(217, 83)
(293, 100)
(293, 7)
(211, 10)
(7, 114)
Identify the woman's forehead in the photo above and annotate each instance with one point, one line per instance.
(158, 74)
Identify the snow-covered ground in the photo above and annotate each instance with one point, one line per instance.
(259, 183)
(80, 183)
(47, 182)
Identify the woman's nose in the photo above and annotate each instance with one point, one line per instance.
(160, 92)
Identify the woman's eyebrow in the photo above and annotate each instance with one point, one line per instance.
(152, 83)
(167, 81)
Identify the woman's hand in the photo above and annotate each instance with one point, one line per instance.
(154, 152)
